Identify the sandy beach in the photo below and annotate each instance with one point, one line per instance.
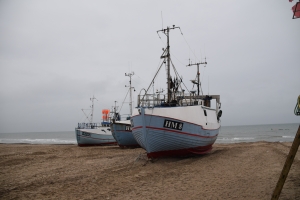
(230, 171)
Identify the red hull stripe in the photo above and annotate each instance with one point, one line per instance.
(137, 127)
(181, 152)
(184, 133)
(180, 121)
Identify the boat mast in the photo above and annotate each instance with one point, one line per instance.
(92, 99)
(167, 55)
(115, 111)
(198, 74)
(130, 91)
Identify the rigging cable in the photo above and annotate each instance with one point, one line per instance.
(189, 45)
(178, 75)
(172, 53)
(186, 43)
(124, 100)
(152, 81)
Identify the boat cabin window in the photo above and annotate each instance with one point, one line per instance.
(205, 113)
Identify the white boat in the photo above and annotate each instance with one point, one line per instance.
(177, 123)
(121, 129)
(95, 134)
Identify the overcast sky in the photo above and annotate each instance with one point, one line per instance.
(55, 55)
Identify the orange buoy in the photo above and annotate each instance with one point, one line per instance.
(105, 113)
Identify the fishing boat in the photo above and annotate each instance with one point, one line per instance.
(121, 129)
(177, 123)
(95, 134)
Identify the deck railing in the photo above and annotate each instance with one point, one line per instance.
(89, 125)
(179, 99)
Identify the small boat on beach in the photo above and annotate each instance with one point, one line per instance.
(121, 129)
(176, 123)
(95, 134)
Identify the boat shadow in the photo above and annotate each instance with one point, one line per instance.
(191, 157)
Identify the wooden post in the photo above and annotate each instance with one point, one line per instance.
(287, 166)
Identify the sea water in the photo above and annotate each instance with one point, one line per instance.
(64, 137)
(227, 134)
(254, 133)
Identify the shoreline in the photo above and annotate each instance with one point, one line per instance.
(34, 144)
(66, 171)
(216, 143)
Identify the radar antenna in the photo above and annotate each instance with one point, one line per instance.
(198, 83)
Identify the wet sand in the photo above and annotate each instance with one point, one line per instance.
(230, 171)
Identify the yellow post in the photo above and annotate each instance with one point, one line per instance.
(287, 166)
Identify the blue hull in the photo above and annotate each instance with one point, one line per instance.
(123, 135)
(163, 136)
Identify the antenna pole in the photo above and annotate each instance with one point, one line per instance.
(115, 111)
(167, 55)
(130, 103)
(168, 65)
(198, 73)
(92, 99)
